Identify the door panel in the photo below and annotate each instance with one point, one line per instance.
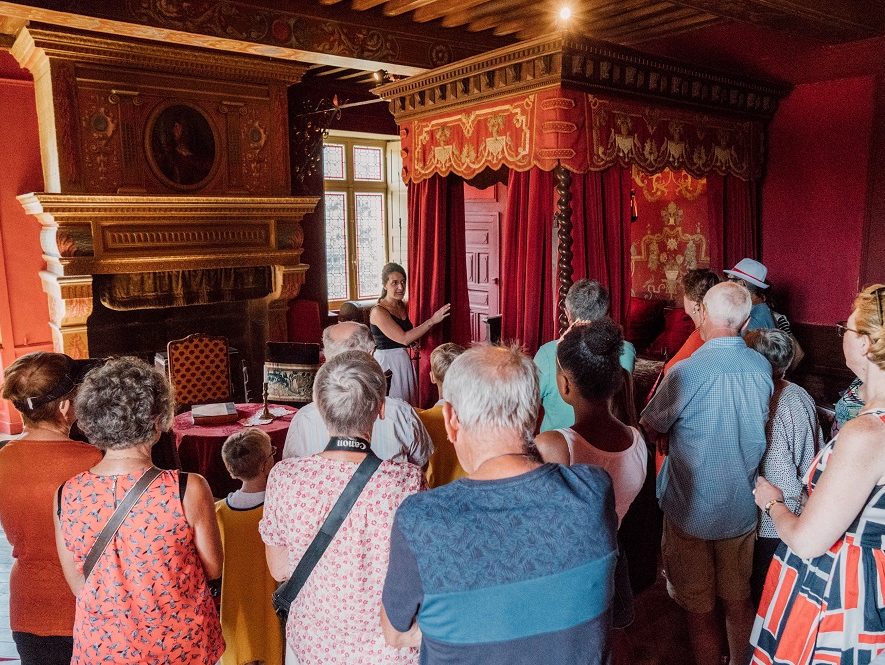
(482, 213)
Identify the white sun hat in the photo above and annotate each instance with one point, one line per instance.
(750, 271)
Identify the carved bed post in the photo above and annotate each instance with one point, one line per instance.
(563, 222)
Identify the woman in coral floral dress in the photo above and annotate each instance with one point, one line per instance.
(823, 601)
(147, 599)
(335, 620)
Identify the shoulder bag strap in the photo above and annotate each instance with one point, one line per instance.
(330, 527)
(117, 518)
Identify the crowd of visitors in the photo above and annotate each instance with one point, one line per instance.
(465, 532)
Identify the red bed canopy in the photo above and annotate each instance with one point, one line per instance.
(568, 114)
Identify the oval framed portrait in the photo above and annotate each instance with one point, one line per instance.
(181, 146)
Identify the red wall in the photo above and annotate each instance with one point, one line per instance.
(24, 312)
(814, 197)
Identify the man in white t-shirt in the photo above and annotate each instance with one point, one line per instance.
(399, 435)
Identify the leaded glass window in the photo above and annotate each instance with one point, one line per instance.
(355, 217)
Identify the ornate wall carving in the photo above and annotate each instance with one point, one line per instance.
(139, 117)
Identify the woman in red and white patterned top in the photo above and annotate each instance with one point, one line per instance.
(335, 618)
(147, 599)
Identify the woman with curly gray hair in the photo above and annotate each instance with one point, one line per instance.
(145, 598)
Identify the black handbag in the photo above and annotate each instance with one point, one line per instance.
(286, 593)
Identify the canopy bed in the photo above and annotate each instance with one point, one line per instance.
(572, 120)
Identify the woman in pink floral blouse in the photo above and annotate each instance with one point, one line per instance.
(335, 618)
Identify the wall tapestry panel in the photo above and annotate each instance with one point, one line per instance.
(671, 234)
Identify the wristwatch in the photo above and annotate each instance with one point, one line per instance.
(770, 505)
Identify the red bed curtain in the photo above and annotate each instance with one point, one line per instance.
(437, 268)
(601, 232)
(734, 220)
(600, 245)
(528, 306)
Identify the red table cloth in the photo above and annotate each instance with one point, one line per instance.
(199, 447)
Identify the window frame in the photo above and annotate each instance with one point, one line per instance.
(351, 187)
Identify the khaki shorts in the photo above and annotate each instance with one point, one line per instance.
(699, 570)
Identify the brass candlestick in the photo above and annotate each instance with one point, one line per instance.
(266, 413)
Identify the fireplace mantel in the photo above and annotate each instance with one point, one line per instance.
(85, 235)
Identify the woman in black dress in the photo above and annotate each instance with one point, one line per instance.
(394, 332)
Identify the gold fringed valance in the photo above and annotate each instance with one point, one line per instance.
(582, 131)
(179, 288)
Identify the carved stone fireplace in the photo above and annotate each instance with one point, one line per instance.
(167, 207)
(110, 257)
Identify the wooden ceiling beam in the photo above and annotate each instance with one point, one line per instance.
(397, 7)
(500, 8)
(509, 27)
(440, 9)
(660, 26)
(496, 19)
(356, 74)
(332, 71)
(362, 5)
(616, 8)
(831, 20)
(673, 31)
(640, 15)
(639, 38)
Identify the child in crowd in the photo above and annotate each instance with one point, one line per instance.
(251, 629)
(443, 466)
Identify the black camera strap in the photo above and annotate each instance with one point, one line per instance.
(288, 590)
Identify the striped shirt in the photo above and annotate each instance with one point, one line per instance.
(515, 571)
(714, 406)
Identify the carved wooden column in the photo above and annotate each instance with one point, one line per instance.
(70, 304)
(562, 219)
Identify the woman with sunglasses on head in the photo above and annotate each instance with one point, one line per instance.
(41, 608)
(822, 600)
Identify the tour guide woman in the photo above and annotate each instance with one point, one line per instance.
(393, 332)
(822, 600)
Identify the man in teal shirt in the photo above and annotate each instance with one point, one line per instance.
(587, 300)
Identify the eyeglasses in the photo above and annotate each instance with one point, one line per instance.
(273, 451)
(841, 328)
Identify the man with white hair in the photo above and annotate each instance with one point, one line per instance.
(514, 564)
(398, 435)
(710, 412)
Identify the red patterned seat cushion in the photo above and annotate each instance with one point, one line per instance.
(199, 369)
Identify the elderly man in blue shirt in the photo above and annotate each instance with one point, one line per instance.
(710, 412)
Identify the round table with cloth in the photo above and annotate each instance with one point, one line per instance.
(199, 446)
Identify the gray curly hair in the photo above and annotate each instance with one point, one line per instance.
(123, 403)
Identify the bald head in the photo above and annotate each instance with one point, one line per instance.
(728, 305)
(347, 336)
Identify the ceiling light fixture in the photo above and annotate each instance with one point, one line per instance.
(565, 13)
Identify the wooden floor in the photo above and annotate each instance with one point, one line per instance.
(659, 635)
